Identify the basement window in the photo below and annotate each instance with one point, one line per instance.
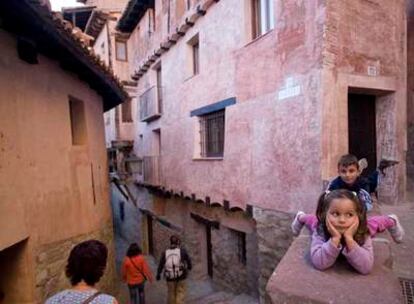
(77, 121)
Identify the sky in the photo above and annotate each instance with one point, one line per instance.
(58, 4)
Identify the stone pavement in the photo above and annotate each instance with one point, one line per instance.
(202, 292)
(198, 292)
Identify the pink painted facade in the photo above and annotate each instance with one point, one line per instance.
(303, 92)
(277, 150)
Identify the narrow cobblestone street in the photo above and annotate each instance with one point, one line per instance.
(198, 292)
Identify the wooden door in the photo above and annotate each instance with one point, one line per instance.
(361, 128)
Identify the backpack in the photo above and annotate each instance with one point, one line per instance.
(174, 268)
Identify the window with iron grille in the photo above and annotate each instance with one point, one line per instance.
(212, 134)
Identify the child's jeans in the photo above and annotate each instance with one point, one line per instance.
(376, 224)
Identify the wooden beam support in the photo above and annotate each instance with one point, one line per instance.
(205, 221)
(226, 205)
(249, 210)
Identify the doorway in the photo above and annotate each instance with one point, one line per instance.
(15, 284)
(362, 137)
(204, 229)
(150, 235)
(209, 252)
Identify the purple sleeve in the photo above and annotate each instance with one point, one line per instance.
(323, 253)
(361, 257)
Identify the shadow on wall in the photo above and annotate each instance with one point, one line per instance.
(127, 223)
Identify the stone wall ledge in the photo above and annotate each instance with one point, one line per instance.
(295, 280)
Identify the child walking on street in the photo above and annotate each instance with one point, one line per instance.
(135, 272)
(342, 230)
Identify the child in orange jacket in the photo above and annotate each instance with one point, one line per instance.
(135, 272)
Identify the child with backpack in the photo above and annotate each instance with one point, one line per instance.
(176, 263)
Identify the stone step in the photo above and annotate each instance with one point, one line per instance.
(222, 297)
(216, 297)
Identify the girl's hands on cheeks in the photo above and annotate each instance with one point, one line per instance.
(335, 235)
(349, 234)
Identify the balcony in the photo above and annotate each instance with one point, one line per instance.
(152, 174)
(151, 104)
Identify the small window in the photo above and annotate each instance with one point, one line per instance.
(121, 50)
(77, 121)
(196, 63)
(262, 17)
(195, 55)
(126, 111)
(159, 88)
(212, 134)
(103, 48)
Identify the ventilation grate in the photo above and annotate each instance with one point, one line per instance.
(408, 290)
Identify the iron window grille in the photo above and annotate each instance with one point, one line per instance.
(212, 134)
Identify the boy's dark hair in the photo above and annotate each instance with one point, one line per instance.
(133, 250)
(325, 201)
(87, 262)
(348, 160)
(174, 240)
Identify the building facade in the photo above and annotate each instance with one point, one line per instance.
(53, 178)
(242, 111)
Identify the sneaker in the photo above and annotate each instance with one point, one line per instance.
(385, 163)
(397, 232)
(362, 164)
(296, 224)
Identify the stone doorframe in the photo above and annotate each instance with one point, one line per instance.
(391, 128)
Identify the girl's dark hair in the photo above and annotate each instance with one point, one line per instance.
(133, 250)
(87, 262)
(325, 201)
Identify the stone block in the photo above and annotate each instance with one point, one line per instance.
(295, 280)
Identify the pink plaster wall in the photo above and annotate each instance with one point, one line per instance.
(350, 49)
(45, 181)
(277, 151)
(261, 165)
